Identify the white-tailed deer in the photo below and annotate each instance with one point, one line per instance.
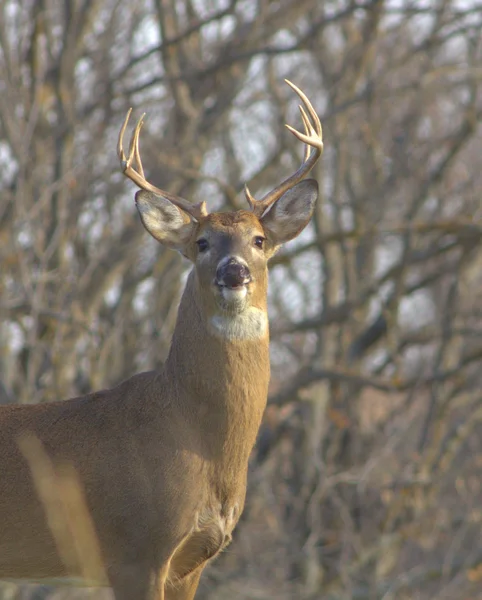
(162, 459)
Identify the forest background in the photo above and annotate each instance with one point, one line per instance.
(366, 479)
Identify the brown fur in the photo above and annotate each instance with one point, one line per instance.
(162, 458)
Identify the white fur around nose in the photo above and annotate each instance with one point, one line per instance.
(234, 295)
(226, 259)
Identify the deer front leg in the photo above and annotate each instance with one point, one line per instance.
(189, 559)
(186, 590)
(137, 582)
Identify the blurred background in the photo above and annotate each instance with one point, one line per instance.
(366, 480)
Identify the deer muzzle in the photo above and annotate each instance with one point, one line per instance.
(232, 273)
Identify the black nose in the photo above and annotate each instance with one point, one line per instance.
(232, 273)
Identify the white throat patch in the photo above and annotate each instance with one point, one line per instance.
(251, 324)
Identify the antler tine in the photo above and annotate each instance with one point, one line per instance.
(132, 168)
(120, 149)
(313, 138)
(308, 129)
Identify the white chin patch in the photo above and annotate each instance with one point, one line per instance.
(250, 324)
(234, 295)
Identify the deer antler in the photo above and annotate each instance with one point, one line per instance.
(136, 173)
(314, 148)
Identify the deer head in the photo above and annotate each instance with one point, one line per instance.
(230, 250)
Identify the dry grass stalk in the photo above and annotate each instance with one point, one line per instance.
(60, 491)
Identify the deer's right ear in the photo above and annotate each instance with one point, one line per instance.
(166, 222)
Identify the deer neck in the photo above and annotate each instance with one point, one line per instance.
(219, 367)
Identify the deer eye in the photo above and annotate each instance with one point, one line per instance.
(202, 244)
(259, 241)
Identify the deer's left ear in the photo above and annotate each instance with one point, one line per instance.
(291, 213)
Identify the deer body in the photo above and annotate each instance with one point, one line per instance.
(137, 423)
(162, 458)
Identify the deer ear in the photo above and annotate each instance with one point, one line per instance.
(166, 222)
(291, 213)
